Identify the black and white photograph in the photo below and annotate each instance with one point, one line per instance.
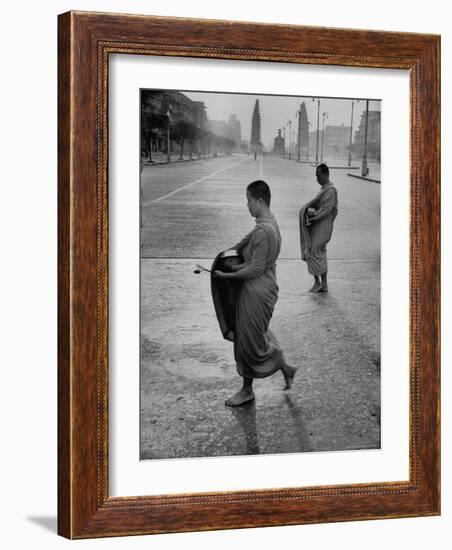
(224, 235)
(260, 274)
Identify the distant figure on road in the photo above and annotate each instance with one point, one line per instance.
(257, 352)
(316, 227)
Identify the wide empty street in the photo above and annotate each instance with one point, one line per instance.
(190, 212)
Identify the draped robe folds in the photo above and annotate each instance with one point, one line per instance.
(256, 350)
(314, 237)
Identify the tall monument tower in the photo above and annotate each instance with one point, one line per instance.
(256, 145)
(303, 132)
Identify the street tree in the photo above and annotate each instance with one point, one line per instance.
(151, 125)
(181, 131)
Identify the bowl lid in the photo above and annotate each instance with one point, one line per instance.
(230, 254)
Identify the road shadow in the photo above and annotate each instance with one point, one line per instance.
(351, 333)
(300, 431)
(246, 419)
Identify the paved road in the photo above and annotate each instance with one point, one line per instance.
(207, 200)
(190, 212)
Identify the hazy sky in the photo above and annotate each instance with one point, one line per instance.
(276, 111)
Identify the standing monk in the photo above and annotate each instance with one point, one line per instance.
(256, 350)
(316, 227)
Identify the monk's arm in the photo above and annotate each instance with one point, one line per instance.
(238, 247)
(238, 267)
(243, 242)
(328, 203)
(259, 259)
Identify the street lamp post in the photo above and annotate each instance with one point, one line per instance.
(318, 131)
(324, 115)
(168, 153)
(290, 138)
(150, 149)
(299, 134)
(364, 168)
(351, 137)
(284, 142)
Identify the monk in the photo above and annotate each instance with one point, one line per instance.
(256, 350)
(316, 227)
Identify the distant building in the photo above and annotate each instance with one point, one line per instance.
(373, 136)
(163, 104)
(256, 144)
(279, 144)
(235, 130)
(179, 106)
(245, 146)
(337, 140)
(231, 129)
(313, 143)
(200, 114)
(218, 127)
(153, 102)
(304, 130)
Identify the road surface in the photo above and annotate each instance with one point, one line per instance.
(191, 211)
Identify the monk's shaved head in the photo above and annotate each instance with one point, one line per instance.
(259, 189)
(323, 168)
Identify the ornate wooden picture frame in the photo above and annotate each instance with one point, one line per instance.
(86, 41)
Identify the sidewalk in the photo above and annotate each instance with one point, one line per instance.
(374, 168)
(161, 158)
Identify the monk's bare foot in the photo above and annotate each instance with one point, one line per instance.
(240, 398)
(289, 375)
(316, 287)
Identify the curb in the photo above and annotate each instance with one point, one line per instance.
(161, 163)
(341, 167)
(364, 178)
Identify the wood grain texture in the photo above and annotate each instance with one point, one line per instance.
(64, 295)
(85, 42)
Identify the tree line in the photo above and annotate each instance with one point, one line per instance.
(185, 133)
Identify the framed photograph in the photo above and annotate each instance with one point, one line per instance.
(249, 261)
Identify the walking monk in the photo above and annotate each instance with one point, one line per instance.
(316, 227)
(256, 350)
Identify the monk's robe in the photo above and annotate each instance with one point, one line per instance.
(256, 350)
(314, 237)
